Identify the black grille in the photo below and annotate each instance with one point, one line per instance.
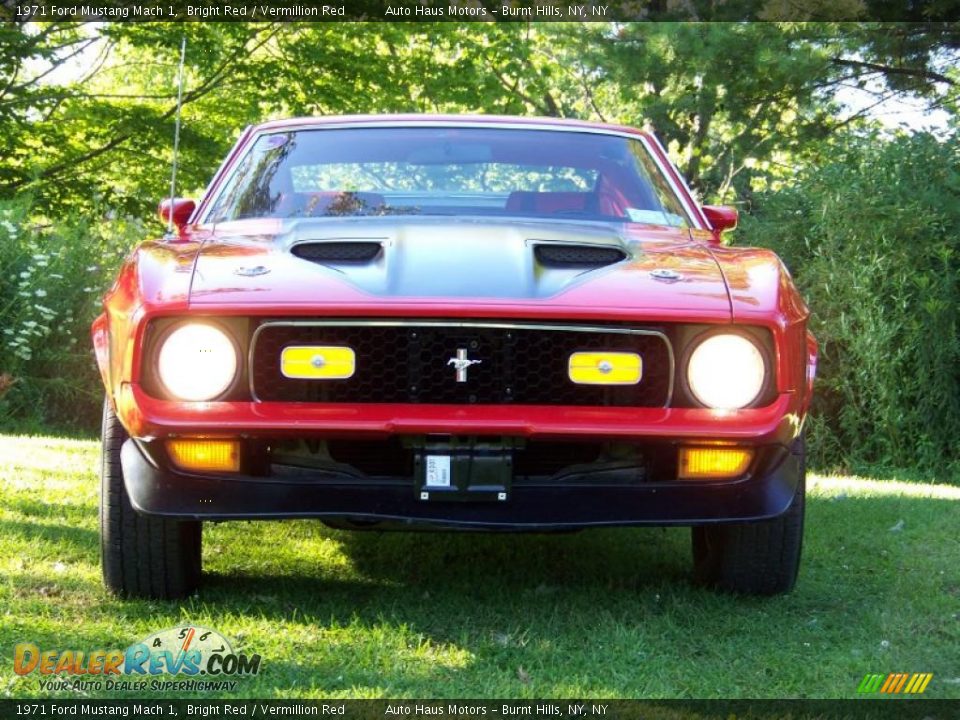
(337, 251)
(409, 364)
(580, 255)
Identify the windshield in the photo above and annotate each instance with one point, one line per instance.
(448, 171)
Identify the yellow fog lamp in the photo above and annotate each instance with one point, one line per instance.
(318, 362)
(205, 454)
(713, 463)
(605, 368)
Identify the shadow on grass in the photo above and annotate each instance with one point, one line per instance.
(54, 525)
(478, 593)
(37, 507)
(487, 566)
(619, 558)
(76, 541)
(858, 551)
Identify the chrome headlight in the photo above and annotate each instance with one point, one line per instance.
(197, 361)
(726, 372)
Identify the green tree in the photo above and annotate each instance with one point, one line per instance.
(739, 103)
(742, 101)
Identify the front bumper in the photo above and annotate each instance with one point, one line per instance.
(147, 417)
(578, 503)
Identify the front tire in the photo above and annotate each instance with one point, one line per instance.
(141, 556)
(758, 558)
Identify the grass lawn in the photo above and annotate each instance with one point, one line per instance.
(600, 613)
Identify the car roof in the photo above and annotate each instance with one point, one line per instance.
(400, 120)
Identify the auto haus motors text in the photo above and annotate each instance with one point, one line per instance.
(189, 652)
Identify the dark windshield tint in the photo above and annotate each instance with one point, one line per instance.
(447, 171)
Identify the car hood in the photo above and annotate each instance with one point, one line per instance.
(455, 263)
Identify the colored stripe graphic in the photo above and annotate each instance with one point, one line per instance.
(891, 681)
(900, 683)
(895, 683)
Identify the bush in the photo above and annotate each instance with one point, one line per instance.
(52, 277)
(873, 239)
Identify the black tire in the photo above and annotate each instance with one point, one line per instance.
(141, 556)
(758, 558)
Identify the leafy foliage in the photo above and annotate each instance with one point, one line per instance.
(873, 238)
(50, 284)
(86, 114)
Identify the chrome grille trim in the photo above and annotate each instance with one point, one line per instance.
(347, 322)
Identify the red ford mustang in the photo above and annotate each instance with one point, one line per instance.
(469, 323)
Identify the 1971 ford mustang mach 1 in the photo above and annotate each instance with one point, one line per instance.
(470, 323)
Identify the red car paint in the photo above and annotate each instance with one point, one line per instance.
(195, 275)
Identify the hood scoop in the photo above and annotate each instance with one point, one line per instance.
(448, 266)
(569, 255)
(338, 251)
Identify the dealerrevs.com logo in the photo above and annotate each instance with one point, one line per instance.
(190, 651)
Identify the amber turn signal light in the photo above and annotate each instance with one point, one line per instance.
(205, 455)
(713, 463)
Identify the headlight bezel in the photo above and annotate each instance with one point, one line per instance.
(163, 329)
(761, 341)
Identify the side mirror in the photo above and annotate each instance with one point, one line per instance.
(180, 209)
(721, 218)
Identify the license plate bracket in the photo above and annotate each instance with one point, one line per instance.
(452, 469)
